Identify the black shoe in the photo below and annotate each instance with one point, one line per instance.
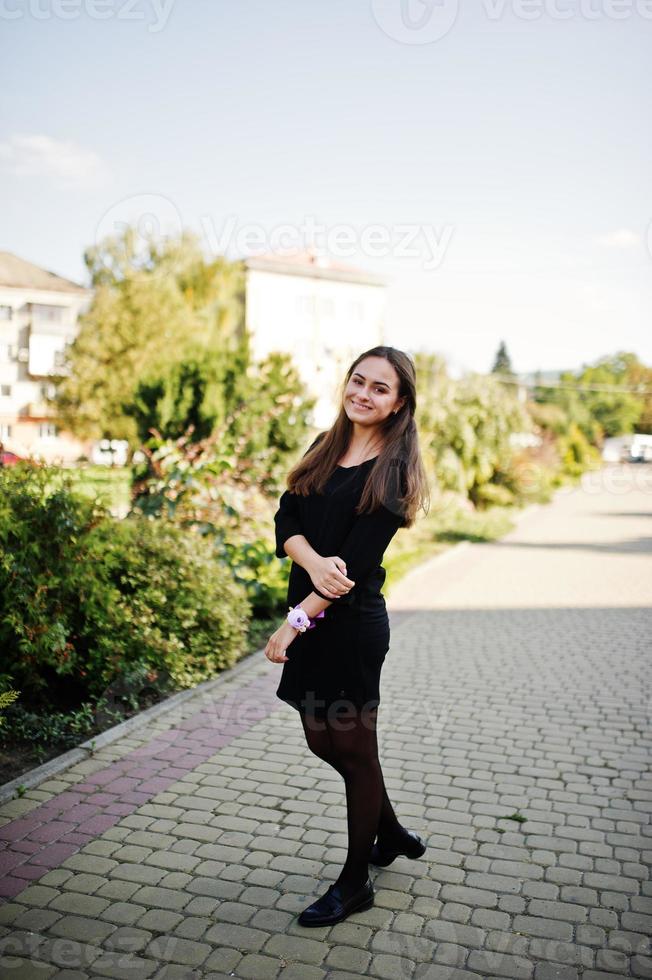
(331, 908)
(413, 847)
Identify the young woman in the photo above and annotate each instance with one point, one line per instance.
(346, 498)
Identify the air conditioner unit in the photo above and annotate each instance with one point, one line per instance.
(23, 353)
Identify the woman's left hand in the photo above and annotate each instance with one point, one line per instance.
(279, 642)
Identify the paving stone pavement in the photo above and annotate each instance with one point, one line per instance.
(515, 737)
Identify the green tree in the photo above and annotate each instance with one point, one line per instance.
(184, 393)
(466, 426)
(617, 412)
(639, 376)
(226, 485)
(596, 398)
(502, 361)
(155, 304)
(254, 417)
(129, 328)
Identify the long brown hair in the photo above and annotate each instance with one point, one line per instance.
(397, 478)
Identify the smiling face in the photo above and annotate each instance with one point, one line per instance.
(372, 392)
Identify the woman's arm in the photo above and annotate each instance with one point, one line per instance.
(287, 520)
(366, 543)
(298, 548)
(281, 639)
(363, 549)
(328, 575)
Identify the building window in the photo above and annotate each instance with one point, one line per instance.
(5, 391)
(46, 430)
(47, 389)
(5, 430)
(43, 311)
(6, 312)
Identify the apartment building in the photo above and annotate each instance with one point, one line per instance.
(322, 312)
(38, 317)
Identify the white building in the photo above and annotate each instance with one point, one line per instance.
(38, 317)
(321, 312)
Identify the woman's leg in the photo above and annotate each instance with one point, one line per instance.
(390, 831)
(354, 751)
(318, 738)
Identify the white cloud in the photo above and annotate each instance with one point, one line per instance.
(66, 163)
(621, 238)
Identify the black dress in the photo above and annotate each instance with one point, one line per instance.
(339, 661)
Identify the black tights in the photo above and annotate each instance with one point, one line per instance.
(348, 742)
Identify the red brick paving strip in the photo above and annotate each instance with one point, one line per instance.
(47, 835)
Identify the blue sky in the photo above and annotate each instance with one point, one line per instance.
(505, 166)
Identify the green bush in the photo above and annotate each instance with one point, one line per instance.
(255, 566)
(493, 495)
(174, 606)
(86, 600)
(223, 496)
(7, 698)
(576, 452)
(529, 473)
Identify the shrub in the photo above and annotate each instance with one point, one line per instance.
(7, 698)
(175, 608)
(529, 473)
(86, 599)
(493, 495)
(222, 496)
(576, 452)
(254, 565)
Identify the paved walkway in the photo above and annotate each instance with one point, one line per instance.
(188, 849)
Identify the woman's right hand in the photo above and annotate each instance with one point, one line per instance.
(328, 575)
